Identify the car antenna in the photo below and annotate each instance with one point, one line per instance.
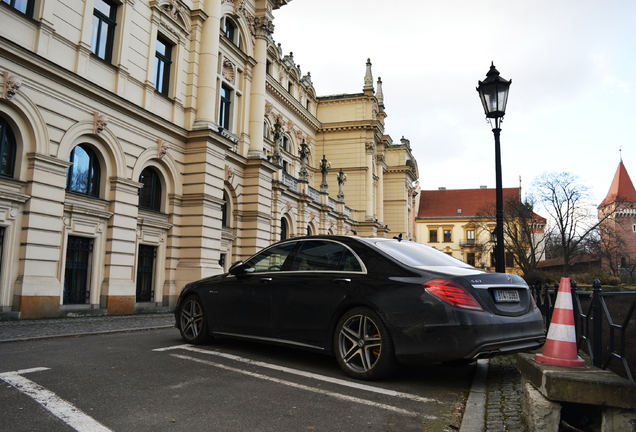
(398, 238)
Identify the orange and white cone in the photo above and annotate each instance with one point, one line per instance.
(560, 346)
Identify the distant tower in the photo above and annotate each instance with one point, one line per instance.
(618, 232)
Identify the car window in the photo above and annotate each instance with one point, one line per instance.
(323, 255)
(271, 259)
(417, 254)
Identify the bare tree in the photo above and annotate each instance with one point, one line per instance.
(524, 232)
(567, 201)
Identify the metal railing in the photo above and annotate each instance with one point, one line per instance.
(597, 315)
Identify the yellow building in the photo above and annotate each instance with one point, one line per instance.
(460, 223)
(149, 144)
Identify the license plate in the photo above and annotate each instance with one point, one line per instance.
(506, 296)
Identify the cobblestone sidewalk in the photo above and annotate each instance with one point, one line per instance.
(503, 396)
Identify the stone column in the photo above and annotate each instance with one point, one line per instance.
(118, 290)
(38, 287)
(208, 66)
(264, 28)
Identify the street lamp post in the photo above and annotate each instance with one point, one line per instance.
(493, 92)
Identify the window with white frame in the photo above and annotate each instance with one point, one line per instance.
(163, 64)
(231, 31)
(103, 30)
(225, 109)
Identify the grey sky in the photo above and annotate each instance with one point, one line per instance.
(572, 102)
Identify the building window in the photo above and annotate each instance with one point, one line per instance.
(225, 216)
(447, 236)
(230, 30)
(2, 231)
(163, 62)
(470, 238)
(470, 259)
(24, 6)
(510, 259)
(290, 87)
(7, 149)
(283, 229)
(83, 176)
(78, 254)
(150, 191)
(222, 260)
(145, 272)
(225, 109)
(103, 32)
(286, 143)
(432, 236)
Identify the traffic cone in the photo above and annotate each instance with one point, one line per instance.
(560, 346)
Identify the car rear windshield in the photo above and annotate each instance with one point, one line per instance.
(417, 254)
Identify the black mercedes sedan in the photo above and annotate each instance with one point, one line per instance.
(371, 302)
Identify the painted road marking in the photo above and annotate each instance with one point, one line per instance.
(307, 388)
(60, 408)
(355, 385)
(337, 381)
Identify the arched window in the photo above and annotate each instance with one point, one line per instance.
(225, 216)
(284, 228)
(83, 175)
(150, 192)
(230, 30)
(7, 149)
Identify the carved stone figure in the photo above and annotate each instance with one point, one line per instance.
(100, 123)
(12, 84)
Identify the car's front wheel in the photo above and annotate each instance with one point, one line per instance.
(363, 345)
(193, 322)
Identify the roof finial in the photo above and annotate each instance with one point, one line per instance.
(620, 153)
(379, 95)
(368, 79)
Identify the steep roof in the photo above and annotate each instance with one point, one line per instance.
(461, 202)
(622, 189)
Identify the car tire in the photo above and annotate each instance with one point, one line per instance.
(363, 345)
(193, 322)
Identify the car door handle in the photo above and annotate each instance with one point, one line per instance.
(342, 280)
(266, 280)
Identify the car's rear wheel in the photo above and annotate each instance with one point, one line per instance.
(363, 345)
(193, 322)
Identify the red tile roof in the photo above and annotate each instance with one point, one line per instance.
(622, 188)
(472, 202)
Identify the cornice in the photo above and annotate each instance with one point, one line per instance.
(281, 95)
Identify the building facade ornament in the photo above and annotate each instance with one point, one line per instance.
(263, 28)
(228, 72)
(342, 179)
(325, 166)
(162, 148)
(100, 121)
(229, 173)
(304, 153)
(12, 84)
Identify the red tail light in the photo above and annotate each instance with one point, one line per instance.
(452, 293)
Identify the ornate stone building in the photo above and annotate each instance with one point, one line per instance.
(148, 144)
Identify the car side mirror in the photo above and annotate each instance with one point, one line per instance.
(237, 268)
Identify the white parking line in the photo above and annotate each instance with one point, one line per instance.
(337, 381)
(60, 408)
(307, 388)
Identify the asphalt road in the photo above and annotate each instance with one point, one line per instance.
(151, 381)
